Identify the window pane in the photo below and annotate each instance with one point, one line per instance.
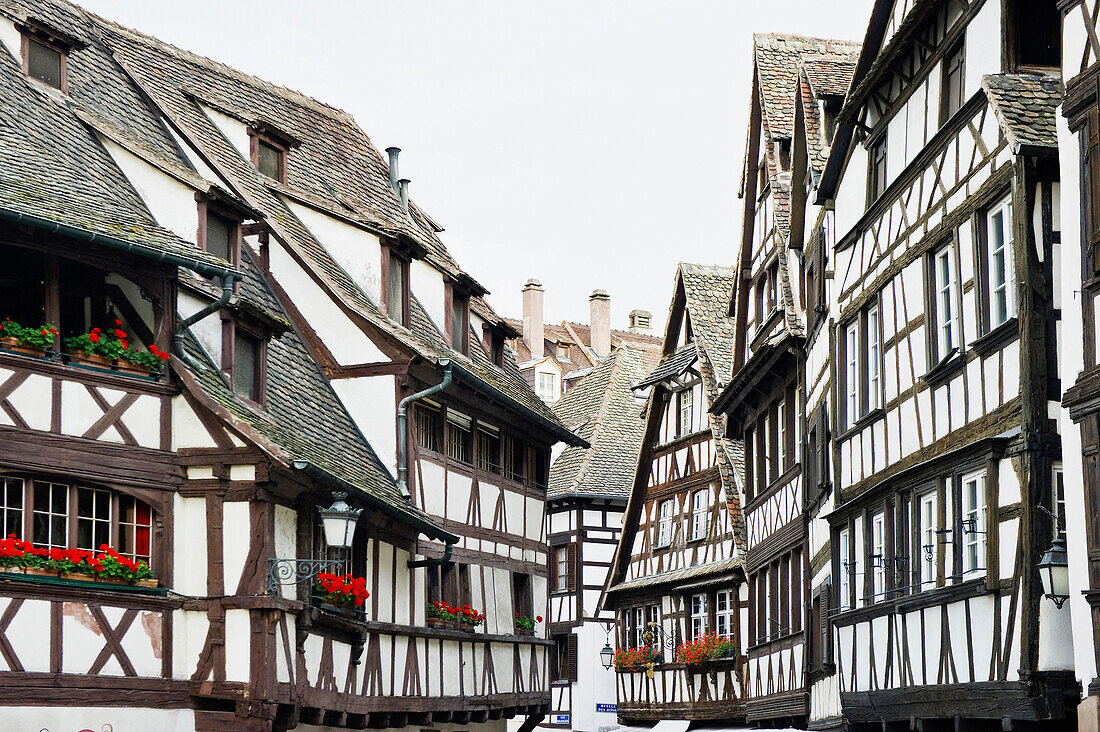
(51, 513)
(11, 509)
(43, 63)
(458, 323)
(93, 522)
(395, 298)
(135, 524)
(246, 357)
(22, 287)
(267, 159)
(218, 232)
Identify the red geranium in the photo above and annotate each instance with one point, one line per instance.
(345, 589)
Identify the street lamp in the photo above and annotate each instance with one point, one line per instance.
(607, 656)
(1054, 571)
(339, 521)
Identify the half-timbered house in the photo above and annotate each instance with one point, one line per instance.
(677, 572)
(798, 85)
(259, 236)
(945, 454)
(1078, 132)
(588, 491)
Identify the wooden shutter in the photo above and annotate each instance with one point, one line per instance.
(571, 568)
(824, 631)
(571, 657)
(1092, 158)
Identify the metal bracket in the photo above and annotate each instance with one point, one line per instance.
(295, 571)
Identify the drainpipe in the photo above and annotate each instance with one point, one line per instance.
(227, 292)
(402, 428)
(434, 562)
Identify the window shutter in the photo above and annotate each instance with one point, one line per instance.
(571, 657)
(824, 632)
(571, 568)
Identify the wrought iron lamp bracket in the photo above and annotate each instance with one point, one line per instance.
(295, 571)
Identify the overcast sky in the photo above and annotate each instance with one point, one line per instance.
(589, 144)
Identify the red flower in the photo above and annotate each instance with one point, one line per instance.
(538, 618)
(118, 322)
(93, 337)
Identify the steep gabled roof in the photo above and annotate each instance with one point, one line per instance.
(707, 289)
(821, 77)
(1025, 107)
(602, 409)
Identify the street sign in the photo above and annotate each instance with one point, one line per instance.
(612, 708)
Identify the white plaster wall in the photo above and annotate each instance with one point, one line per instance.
(426, 283)
(347, 343)
(233, 129)
(594, 684)
(359, 252)
(171, 202)
(11, 38)
(190, 543)
(98, 718)
(238, 637)
(207, 331)
(372, 404)
(851, 193)
(236, 541)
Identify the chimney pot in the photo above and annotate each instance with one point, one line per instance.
(533, 323)
(393, 153)
(403, 192)
(599, 323)
(641, 321)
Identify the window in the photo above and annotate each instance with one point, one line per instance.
(1002, 273)
(1036, 33)
(663, 536)
(928, 539)
(247, 366)
(878, 169)
(547, 386)
(874, 361)
(396, 286)
(685, 398)
(1059, 502)
(459, 322)
(561, 568)
(945, 338)
(750, 471)
(488, 445)
(952, 87)
(851, 373)
(427, 426)
(699, 508)
(521, 594)
(220, 236)
(458, 437)
(45, 62)
(535, 467)
(781, 421)
(768, 448)
(496, 349)
(973, 515)
(698, 615)
(725, 613)
(878, 556)
(844, 567)
(563, 351)
(269, 160)
(512, 458)
(63, 515)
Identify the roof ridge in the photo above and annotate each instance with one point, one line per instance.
(218, 66)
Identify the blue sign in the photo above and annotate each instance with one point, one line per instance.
(559, 719)
(611, 708)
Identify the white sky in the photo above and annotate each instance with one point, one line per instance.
(590, 144)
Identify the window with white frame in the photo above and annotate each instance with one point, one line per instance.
(639, 626)
(926, 507)
(944, 304)
(1002, 273)
(874, 361)
(973, 520)
(766, 446)
(653, 622)
(11, 507)
(851, 372)
(845, 568)
(699, 507)
(547, 386)
(781, 421)
(685, 412)
(1059, 502)
(561, 568)
(698, 615)
(664, 523)
(725, 613)
(51, 514)
(878, 556)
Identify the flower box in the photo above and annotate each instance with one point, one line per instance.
(127, 367)
(343, 592)
(81, 577)
(92, 359)
(525, 631)
(13, 344)
(439, 623)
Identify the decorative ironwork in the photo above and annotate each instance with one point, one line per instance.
(295, 571)
(655, 635)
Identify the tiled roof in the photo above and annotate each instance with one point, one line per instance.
(831, 75)
(72, 180)
(1025, 107)
(335, 164)
(707, 289)
(674, 365)
(303, 419)
(579, 338)
(602, 409)
(679, 575)
(821, 76)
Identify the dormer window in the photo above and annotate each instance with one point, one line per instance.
(219, 230)
(458, 321)
(395, 286)
(271, 161)
(268, 149)
(243, 360)
(44, 62)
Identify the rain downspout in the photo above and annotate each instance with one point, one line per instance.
(402, 429)
(434, 562)
(227, 292)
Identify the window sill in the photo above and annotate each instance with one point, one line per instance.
(53, 365)
(866, 420)
(945, 369)
(1004, 333)
(96, 585)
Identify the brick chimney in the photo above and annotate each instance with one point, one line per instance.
(599, 321)
(641, 322)
(532, 317)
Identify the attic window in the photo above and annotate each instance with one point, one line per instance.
(563, 351)
(458, 322)
(270, 160)
(268, 149)
(783, 147)
(243, 361)
(395, 286)
(45, 61)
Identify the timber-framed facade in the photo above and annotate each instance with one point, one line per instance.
(302, 298)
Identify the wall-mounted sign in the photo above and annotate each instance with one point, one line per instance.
(559, 719)
(612, 708)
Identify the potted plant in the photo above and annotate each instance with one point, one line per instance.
(22, 339)
(526, 625)
(469, 619)
(341, 590)
(98, 347)
(106, 565)
(142, 363)
(707, 647)
(636, 659)
(440, 614)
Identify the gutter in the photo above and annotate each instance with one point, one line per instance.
(403, 427)
(421, 524)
